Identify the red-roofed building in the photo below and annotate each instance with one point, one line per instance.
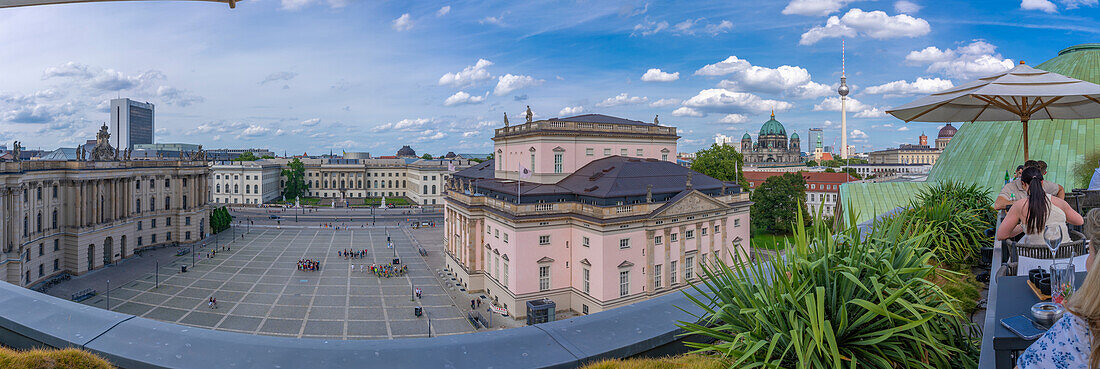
(822, 188)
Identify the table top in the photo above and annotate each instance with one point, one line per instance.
(1014, 297)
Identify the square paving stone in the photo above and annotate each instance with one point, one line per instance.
(273, 279)
(246, 278)
(325, 328)
(237, 286)
(268, 288)
(365, 301)
(330, 301)
(251, 309)
(165, 314)
(367, 328)
(151, 298)
(202, 319)
(184, 302)
(300, 290)
(293, 300)
(198, 293)
(288, 312)
(124, 293)
(327, 312)
(207, 283)
(373, 313)
(409, 327)
(285, 326)
(254, 270)
(133, 308)
(241, 323)
(444, 326)
(260, 298)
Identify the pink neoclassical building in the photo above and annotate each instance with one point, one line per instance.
(606, 217)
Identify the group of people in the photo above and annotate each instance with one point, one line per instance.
(386, 270)
(352, 254)
(1033, 203)
(309, 265)
(212, 302)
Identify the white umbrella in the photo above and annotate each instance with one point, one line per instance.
(1022, 93)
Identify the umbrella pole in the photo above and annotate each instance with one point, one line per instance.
(1024, 121)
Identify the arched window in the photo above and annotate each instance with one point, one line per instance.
(236, 188)
(137, 205)
(168, 203)
(218, 188)
(425, 189)
(184, 201)
(54, 222)
(342, 184)
(152, 204)
(360, 185)
(433, 189)
(38, 222)
(25, 225)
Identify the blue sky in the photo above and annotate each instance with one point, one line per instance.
(320, 75)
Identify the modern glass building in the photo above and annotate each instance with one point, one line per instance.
(132, 122)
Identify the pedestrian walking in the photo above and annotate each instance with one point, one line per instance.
(472, 305)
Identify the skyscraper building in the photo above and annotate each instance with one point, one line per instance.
(817, 139)
(132, 122)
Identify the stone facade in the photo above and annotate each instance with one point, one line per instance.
(76, 216)
(245, 182)
(772, 145)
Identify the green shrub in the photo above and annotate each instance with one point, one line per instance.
(961, 195)
(834, 300)
(1083, 170)
(69, 358)
(955, 236)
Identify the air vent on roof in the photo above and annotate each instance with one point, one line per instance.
(652, 159)
(596, 176)
(590, 189)
(634, 160)
(608, 169)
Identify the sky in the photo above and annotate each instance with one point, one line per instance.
(332, 75)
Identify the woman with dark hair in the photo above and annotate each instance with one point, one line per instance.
(1030, 215)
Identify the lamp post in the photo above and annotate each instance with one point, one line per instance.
(157, 272)
(108, 295)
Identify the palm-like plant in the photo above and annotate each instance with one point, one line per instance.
(833, 301)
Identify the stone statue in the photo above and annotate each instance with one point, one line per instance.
(80, 153)
(655, 121)
(103, 150)
(16, 151)
(529, 114)
(505, 119)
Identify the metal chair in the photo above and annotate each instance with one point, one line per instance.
(1013, 249)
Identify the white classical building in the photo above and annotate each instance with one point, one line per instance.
(245, 182)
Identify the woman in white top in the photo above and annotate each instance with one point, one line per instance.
(1032, 214)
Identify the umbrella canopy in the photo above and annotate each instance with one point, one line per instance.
(1022, 93)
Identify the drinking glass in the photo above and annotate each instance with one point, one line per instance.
(1061, 281)
(1052, 234)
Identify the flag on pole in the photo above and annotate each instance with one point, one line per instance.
(524, 172)
(450, 166)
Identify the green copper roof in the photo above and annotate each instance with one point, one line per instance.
(772, 127)
(746, 136)
(794, 136)
(981, 152)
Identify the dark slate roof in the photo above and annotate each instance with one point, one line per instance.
(618, 176)
(600, 118)
(483, 170)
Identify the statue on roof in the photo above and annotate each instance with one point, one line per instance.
(529, 114)
(103, 150)
(505, 119)
(16, 150)
(655, 121)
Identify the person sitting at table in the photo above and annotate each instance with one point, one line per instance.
(1069, 342)
(1032, 213)
(1014, 191)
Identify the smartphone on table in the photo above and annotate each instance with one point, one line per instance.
(1023, 326)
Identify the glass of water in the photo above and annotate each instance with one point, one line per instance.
(1061, 281)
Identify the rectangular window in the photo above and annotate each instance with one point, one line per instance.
(153, 224)
(689, 234)
(139, 241)
(557, 162)
(624, 283)
(168, 236)
(168, 222)
(187, 221)
(544, 239)
(673, 237)
(589, 152)
(496, 233)
(544, 277)
(716, 228)
(622, 152)
(638, 152)
(585, 241)
(702, 260)
(624, 243)
(187, 235)
(504, 273)
(664, 157)
(56, 264)
(532, 162)
(56, 245)
(606, 152)
(657, 276)
(703, 231)
(139, 224)
(505, 238)
(584, 279)
(672, 272)
(688, 266)
(584, 309)
(658, 240)
(153, 238)
(737, 222)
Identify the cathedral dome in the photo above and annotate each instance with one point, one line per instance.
(773, 127)
(947, 131)
(406, 151)
(746, 137)
(794, 136)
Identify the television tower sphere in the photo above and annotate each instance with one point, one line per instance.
(843, 89)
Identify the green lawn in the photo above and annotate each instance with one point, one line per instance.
(303, 201)
(375, 201)
(769, 241)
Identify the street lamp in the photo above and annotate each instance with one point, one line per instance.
(108, 294)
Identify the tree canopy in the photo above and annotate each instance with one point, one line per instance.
(247, 156)
(220, 219)
(777, 202)
(721, 162)
(426, 156)
(295, 180)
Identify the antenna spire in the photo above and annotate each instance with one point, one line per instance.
(842, 59)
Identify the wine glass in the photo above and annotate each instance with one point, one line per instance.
(1052, 234)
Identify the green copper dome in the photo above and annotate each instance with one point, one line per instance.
(794, 136)
(746, 137)
(772, 127)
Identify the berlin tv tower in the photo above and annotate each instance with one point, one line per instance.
(843, 91)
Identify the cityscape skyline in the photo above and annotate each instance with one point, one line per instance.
(450, 71)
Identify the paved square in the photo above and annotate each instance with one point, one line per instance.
(260, 290)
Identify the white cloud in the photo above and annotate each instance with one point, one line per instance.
(403, 23)
(977, 59)
(920, 86)
(509, 82)
(684, 111)
(254, 130)
(833, 104)
(406, 125)
(818, 8)
(906, 6)
(730, 65)
(871, 113)
(499, 21)
(664, 103)
(726, 101)
(648, 27)
(1041, 5)
(310, 122)
(298, 4)
(278, 76)
(443, 11)
(571, 110)
(656, 75)
(903, 129)
(469, 134)
(178, 97)
(1074, 4)
(734, 119)
(462, 97)
(700, 26)
(858, 134)
(792, 81)
(101, 80)
(875, 24)
(623, 99)
(468, 76)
